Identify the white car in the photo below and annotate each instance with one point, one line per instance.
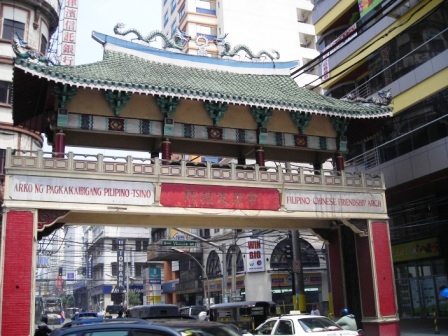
(301, 324)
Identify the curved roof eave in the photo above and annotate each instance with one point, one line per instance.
(374, 113)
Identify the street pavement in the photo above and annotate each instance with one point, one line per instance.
(420, 327)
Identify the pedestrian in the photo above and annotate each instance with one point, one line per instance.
(42, 328)
(315, 309)
(347, 321)
(120, 314)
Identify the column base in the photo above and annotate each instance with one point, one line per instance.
(382, 328)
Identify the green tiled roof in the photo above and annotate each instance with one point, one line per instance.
(124, 72)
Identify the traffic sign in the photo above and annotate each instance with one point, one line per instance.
(189, 243)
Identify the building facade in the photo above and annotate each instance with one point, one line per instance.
(395, 52)
(258, 267)
(114, 261)
(33, 25)
(216, 27)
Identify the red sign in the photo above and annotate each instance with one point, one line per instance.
(218, 197)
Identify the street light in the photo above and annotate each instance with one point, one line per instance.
(203, 271)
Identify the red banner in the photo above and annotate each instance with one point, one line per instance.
(218, 197)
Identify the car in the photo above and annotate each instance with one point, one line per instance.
(194, 327)
(297, 324)
(80, 315)
(117, 327)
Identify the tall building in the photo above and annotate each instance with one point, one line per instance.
(34, 24)
(395, 52)
(114, 262)
(216, 27)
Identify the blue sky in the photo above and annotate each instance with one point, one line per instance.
(101, 16)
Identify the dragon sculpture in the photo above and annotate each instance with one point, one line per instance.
(177, 41)
(22, 50)
(225, 47)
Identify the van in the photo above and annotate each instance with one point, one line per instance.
(113, 310)
(192, 311)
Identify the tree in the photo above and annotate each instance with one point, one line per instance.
(134, 299)
(68, 300)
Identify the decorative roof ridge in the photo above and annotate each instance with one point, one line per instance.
(195, 61)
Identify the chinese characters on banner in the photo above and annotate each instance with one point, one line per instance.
(69, 32)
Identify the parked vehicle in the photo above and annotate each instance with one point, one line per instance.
(150, 311)
(301, 324)
(113, 310)
(246, 315)
(81, 315)
(191, 326)
(117, 327)
(192, 311)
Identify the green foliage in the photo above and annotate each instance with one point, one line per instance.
(68, 300)
(134, 299)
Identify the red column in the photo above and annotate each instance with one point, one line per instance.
(339, 162)
(59, 145)
(376, 280)
(18, 273)
(166, 151)
(259, 156)
(336, 267)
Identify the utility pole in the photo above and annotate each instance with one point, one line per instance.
(299, 300)
(221, 248)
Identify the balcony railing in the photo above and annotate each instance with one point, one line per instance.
(133, 167)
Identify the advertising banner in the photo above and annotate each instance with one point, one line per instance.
(365, 6)
(255, 255)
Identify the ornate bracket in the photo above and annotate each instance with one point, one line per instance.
(302, 120)
(117, 100)
(167, 105)
(340, 124)
(65, 93)
(216, 110)
(261, 115)
(358, 226)
(46, 221)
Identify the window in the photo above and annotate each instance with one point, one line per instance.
(165, 19)
(43, 45)
(182, 13)
(284, 328)
(173, 29)
(213, 268)
(141, 245)
(5, 92)
(10, 27)
(173, 5)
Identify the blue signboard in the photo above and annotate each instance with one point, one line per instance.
(121, 265)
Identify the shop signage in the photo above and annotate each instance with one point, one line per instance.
(419, 249)
(52, 189)
(334, 202)
(121, 266)
(255, 255)
(69, 32)
(219, 197)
